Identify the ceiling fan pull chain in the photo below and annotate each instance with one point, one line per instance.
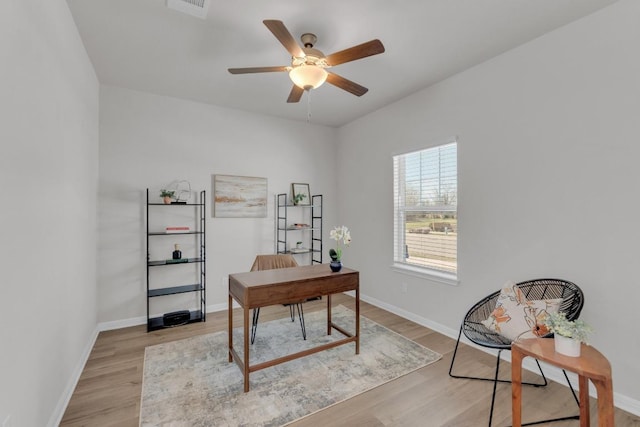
(308, 106)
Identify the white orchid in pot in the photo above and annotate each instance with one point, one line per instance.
(568, 334)
(341, 235)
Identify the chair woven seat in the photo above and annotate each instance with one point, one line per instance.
(478, 333)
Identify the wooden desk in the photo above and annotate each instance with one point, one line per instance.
(590, 365)
(287, 286)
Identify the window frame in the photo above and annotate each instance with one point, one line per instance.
(399, 225)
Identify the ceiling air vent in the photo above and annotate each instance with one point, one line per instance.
(196, 8)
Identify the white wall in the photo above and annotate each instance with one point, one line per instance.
(48, 169)
(150, 141)
(548, 174)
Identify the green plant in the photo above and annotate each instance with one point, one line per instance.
(167, 193)
(576, 329)
(298, 198)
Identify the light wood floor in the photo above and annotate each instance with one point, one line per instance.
(108, 393)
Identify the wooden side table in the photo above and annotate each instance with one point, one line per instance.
(590, 365)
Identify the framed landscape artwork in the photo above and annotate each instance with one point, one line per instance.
(239, 196)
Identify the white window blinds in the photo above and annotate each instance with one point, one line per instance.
(425, 208)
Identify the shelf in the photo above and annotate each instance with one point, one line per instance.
(162, 233)
(306, 251)
(174, 290)
(195, 215)
(155, 323)
(176, 204)
(305, 223)
(168, 262)
(298, 228)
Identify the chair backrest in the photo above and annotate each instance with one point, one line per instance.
(571, 294)
(572, 303)
(271, 262)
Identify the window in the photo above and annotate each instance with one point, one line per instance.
(425, 210)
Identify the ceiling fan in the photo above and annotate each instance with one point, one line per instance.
(308, 65)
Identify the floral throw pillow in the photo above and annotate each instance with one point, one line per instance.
(516, 317)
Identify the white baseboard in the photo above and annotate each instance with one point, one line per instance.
(621, 401)
(65, 397)
(553, 373)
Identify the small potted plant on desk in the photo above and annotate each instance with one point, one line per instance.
(568, 334)
(167, 195)
(339, 234)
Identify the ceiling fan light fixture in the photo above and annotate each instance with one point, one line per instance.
(308, 76)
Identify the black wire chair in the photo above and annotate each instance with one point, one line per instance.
(478, 333)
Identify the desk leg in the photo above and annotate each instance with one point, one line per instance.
(516, 387)
(246, 349)
(358, 319)
(583, 384)
(329, 314)
(230, 322)
(605, 402)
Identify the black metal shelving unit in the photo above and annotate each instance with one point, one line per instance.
(199, 313)
(284, 228)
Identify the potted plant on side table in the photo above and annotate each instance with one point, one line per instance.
(568, 334)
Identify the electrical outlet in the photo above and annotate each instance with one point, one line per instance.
(404, 288)
(7, 422)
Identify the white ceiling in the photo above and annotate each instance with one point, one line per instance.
(143, 45)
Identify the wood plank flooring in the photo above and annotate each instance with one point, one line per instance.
(108, 392)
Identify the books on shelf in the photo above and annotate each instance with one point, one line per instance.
(177, 229)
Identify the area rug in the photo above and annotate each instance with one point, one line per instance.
(191, 383)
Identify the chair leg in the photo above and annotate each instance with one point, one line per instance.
(302, 325)
(453, 359)
(495, 384)
(452, 375)
(254, 323)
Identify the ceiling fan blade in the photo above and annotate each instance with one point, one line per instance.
(295, 94)
(347, 85)
(363, 50)
(257, 70)
(284, 36)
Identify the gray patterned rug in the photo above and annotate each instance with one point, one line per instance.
(191, 383)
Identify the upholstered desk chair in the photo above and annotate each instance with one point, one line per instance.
(271, 262)
(473, 325)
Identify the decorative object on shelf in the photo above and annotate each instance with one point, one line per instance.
(300, 195)
(183, 191)
(568, 334)
(298, 245)
(177, 253)
(339, 234)
(177, 229)
(298, 226)
(167, 196)
(239, 196)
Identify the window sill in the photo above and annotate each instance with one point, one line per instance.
(423, 273)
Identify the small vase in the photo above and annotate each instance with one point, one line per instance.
(335, 266)
(567, 346)
(166, 200)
